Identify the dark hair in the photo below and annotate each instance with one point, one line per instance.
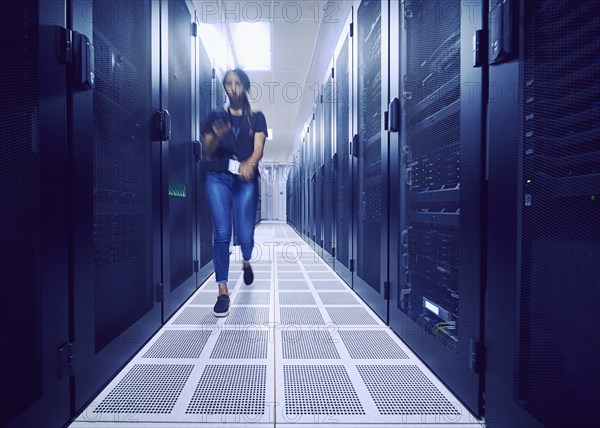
(246, 82)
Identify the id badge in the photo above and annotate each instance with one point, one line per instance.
(234, 167)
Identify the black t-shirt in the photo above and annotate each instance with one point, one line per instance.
(239, 143)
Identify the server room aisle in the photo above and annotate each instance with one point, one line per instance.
(299, 348)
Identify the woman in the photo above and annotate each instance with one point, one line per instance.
(234, 141)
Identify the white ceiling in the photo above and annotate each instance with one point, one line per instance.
(302, 45)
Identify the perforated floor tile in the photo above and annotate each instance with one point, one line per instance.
(249, 297)
(247, 315)
(230, 389)
(290, 275)
(319, 390)
(257, 285)
(293, 285)
(338, 298)
(329, 285)
(247, 344)
(206, 297)
(350, 316)
(178, 344)
(404, 390)
(308, 344)
(326, 361)
(196, 316)
(365, 344)
(298, 298)
(300, 316)
(147, 388)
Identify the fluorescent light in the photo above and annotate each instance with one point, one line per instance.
(252, 43)
(216, 45)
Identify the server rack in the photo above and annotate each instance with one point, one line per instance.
(342, 161)
(318, 177)
(206, 97)
(115, 155)
(311, 159)
(179, 183)
(370, 152)
(544, 215)
(327, 170)
(34, 176)
(437, 292)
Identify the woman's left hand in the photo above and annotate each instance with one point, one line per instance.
(247, 170)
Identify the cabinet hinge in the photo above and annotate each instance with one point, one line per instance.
(332, 72)
(386, 290)
(333, 252)
(196, 265)
(197, 151)
(214, 73)
(160, 292)
(477, 360)
(64, 45)
(352, 29)
(194, 29)
(351, 265)
(66, 361)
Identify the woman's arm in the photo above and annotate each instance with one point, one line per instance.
(248, 167)
(211, 143)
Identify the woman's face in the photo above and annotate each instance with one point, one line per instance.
(233, 86)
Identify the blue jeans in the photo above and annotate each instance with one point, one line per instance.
(224, 190)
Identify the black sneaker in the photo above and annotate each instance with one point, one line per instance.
(221, 308)
(248, 275)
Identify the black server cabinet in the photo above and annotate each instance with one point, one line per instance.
(205, 102)
(327, 170)
(311, 176)
(178, 90)
(370, 152)
(33, 170)
(115, 151)
(318, 183)
(437, 286)
(544, 216)
(342, 162)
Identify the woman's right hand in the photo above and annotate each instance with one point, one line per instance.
(221, 128)
(211, 143)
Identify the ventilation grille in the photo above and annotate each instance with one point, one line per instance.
(178, 344)
(230, 389)
(371, 345)
(311, 344)
(249, 344)
(147, 388)
(351, 316)
(301, 316)
(320, 390)
(259, 285)
(296, 299)
(404, 390)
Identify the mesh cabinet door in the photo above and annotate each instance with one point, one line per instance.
(34, 252)
(206, 95)
(116, 190)
(342, 174)
(179, 195)
(544, 245)
(436, 297)
(370, 154)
